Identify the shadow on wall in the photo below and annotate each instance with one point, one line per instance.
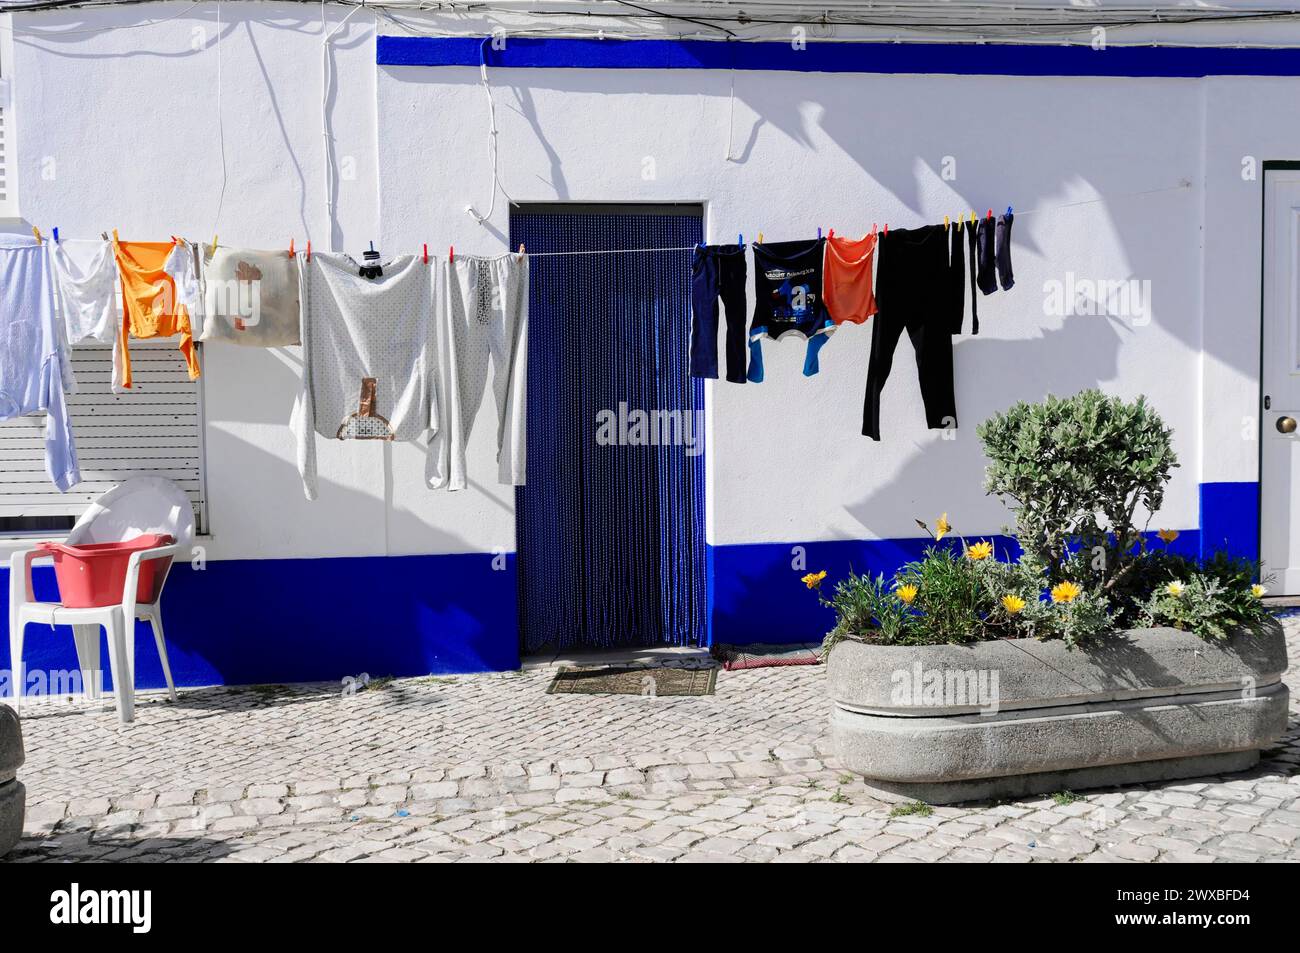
(1082, 353)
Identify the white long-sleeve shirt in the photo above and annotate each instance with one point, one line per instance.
(368, 356)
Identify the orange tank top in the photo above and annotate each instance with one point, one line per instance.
(846, 278)
(149, 305)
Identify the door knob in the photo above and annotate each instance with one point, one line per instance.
(1286, 425)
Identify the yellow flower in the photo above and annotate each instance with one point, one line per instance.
(1175, 589)
(942, 527)
(1012, 604)
(907, 594)
(981, 550)
(1258, 591)
(1168, 535)
(813, 579)
(1065, 592)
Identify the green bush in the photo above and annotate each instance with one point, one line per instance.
(1075, 471)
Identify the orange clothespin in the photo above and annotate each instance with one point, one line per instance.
(309, 249)
(521, 250)
(37, 232)
(291, 251)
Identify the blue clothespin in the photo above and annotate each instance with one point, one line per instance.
(56, 234)
(740, 240)
(819, 232)
(1008, 209)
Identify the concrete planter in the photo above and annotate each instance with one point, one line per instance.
(949, 723)
(12, 794)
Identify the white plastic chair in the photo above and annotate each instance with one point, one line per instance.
(138, 506)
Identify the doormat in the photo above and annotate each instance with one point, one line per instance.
(735, 657)
(640, 680)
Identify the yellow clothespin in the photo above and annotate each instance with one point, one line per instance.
(37, 232)
(972, 216)
(945, 222)
(214, 244)
(760, 236)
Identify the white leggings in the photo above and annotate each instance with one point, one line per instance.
(484, 319)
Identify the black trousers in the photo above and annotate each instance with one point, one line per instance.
(917, 292)
(718, 271)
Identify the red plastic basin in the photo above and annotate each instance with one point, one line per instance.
(94, 574)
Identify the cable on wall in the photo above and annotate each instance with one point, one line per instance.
(495, 183)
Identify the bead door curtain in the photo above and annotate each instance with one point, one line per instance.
(610, 535)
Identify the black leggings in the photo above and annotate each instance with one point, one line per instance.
(914, 294)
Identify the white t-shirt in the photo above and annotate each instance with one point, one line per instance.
(86, 281)
(368, 355)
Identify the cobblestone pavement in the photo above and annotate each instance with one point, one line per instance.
(489, 767)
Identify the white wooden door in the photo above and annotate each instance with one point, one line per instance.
(1280, 407)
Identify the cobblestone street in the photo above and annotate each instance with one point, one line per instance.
(489, 767)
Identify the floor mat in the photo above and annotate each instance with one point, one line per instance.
(766, 656)
(635, 680)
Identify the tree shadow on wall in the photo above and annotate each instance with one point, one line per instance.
(1081, 354)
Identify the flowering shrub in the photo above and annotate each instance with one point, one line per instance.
(1077, 472)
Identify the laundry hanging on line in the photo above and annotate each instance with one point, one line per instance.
(35, 370)
(814, 286)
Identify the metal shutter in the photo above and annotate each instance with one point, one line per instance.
(155, 430)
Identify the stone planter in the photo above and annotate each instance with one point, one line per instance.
(949, 723)
(12, 795)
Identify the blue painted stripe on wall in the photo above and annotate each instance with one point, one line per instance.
(1230, 519)
(841, 57)
(759, 598)
(247, 622)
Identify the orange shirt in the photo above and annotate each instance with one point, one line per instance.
(149, 305)
(846, 279)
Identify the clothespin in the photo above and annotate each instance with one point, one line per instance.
(830, 234)
(760, 238)
(819, 231)
(104, 235)
(37, 232)
(214, 244)
(740, 240)
(873, 228)
(886, 228)
(291, 251)
(945, 223)
(1008, 212)
(56, 234)
(972, 216)
(309, 249)
(990, 213)
(521, 250)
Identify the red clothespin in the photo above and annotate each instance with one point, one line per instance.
(309, 249)
(830, 234)
(990, 213)
(886, 228)
(291, 251)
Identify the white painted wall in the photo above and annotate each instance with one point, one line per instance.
(118, 128)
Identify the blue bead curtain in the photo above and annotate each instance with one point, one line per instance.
(610, 537)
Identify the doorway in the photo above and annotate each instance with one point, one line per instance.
(1279, 464)
(610, 525)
